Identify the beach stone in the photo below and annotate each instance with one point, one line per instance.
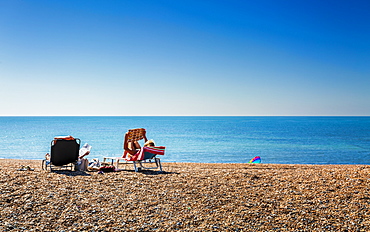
(187, 197)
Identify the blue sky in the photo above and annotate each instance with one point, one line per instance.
(186, 57)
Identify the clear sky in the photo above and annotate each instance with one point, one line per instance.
(184, 57)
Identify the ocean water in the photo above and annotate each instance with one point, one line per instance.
(283, 140)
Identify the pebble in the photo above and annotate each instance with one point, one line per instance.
(187, 197)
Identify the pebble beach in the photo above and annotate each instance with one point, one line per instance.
(186, 197)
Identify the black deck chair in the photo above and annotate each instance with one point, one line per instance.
(64, 154)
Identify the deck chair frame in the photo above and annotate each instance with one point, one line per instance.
(138, 165)
(145, 160)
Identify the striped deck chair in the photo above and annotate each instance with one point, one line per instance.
(147, 155)
(145, 158)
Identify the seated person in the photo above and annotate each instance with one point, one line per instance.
(149, 143)
(82, 162)
(130, 146)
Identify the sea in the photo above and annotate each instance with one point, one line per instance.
(203, 139)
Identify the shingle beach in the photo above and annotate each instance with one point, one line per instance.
(187, 197)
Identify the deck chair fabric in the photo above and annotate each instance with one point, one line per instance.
(146, 153)
(64, 153)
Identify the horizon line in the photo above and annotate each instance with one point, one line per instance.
(184, 115)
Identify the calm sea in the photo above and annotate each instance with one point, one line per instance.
(284, 140)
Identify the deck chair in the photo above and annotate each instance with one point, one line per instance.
(145, 158)
(64, 154)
